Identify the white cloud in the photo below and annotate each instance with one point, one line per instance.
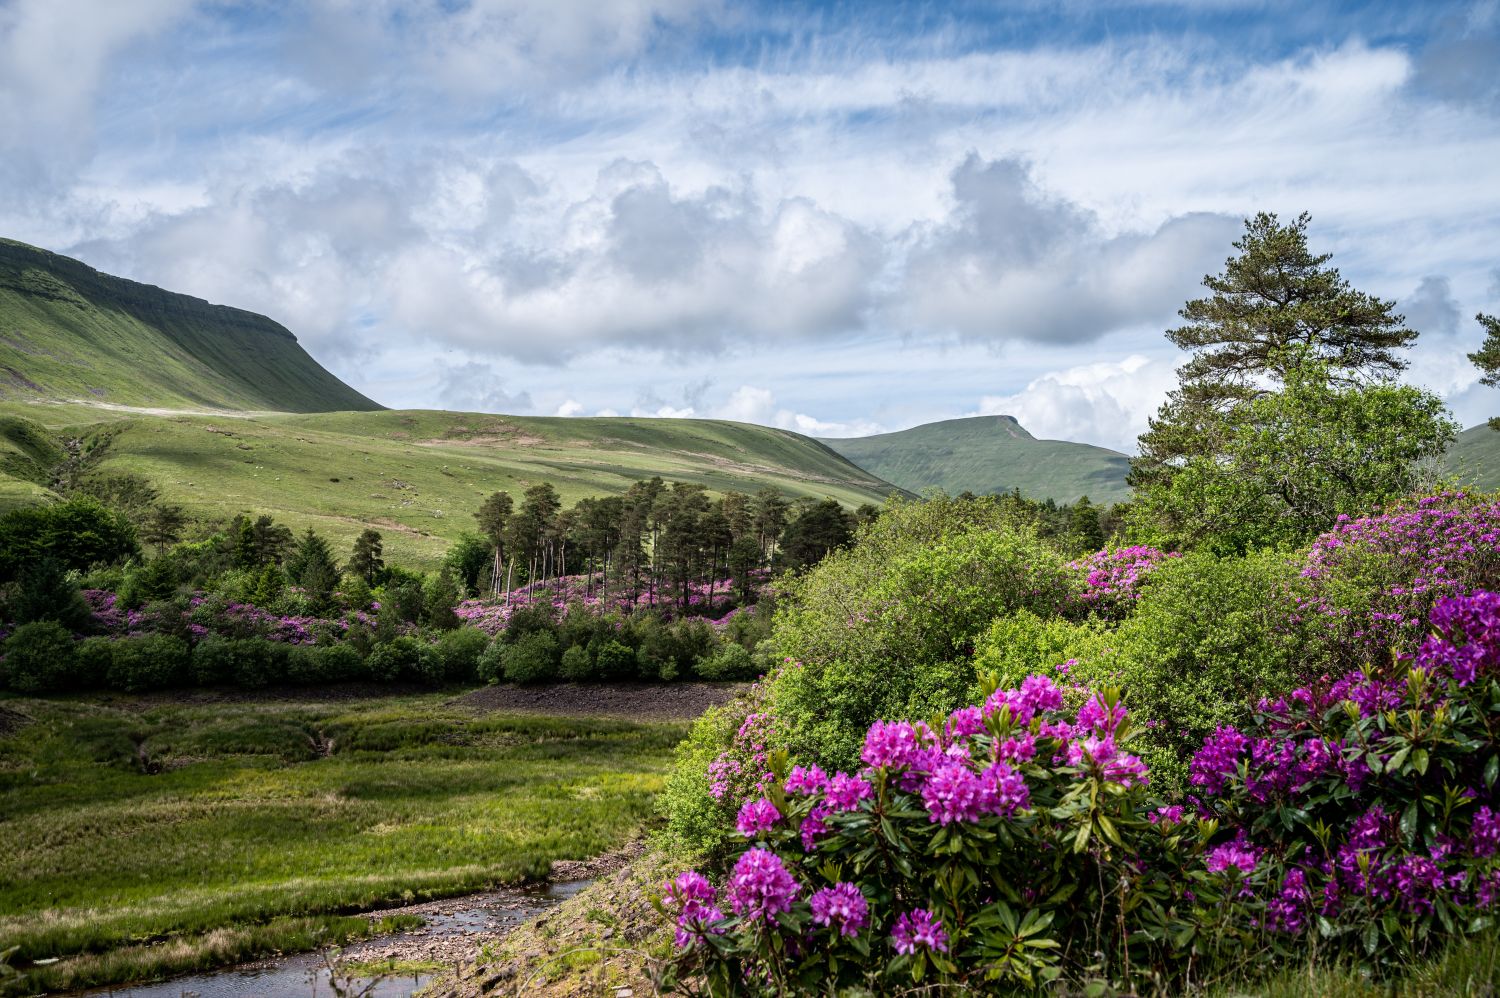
(1107, 402)
(749, 404)
(571, 407)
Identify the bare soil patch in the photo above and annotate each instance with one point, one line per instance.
(11, 721)
(632, 701)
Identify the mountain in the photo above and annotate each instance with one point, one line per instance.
(989, 454)
(415, 475)
(69, 332)
(1474, 458)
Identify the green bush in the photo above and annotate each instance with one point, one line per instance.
(152, 662)
(146, 583)
(577, 666)
(46, 592)
(1024, 644)
(247, 662)
(888, 627)
(613, 659)
(532, 659)
(729, 662)
(79, 533)
(310, 665)
(39, 657)
(93, 659)
(696, 818)
(491, 665)
(399, 658)
(455, 656)
(1209, 636)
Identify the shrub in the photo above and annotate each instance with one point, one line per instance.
(399, 658)
(455, 656)
(532, 659)
(1022, 643)
(614, 659)
(721, 763)
(997, 849)
(887, 628)
(729, 662)
(151, 662)
(576, 664)
(39, 657)
(1111, 581)
(314, 664)
(1373, 580)
(148, 582)
(247, 662)
(78, 533)
(1368, 809)
(45, 592)
(93, 657)
(492, 661)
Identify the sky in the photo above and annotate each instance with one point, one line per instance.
(837, 218)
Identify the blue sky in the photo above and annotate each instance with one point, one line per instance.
(838, 218)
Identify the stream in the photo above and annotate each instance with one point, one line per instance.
(452, 931)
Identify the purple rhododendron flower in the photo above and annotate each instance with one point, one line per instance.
(954, 792)
(806, 781)
(1007, 790)
(844, 792)
(757, 816)
(964, 722)
(1217, 760)
(1239, 855)
(1484, 833)
(918, 928)
(841, 907)
(1098, 718)
(894, 745)
(760, 886)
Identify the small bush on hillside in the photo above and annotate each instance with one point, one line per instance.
(728, 663)
(576, 665)
(46, 592)
(613, 659)
(532, 659)
(720, 764)
(455, 656)
(150, 662)
(397, 659)
(39, 657)
(309, 665)
(92, 659)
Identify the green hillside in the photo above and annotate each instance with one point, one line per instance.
(989, 454)
(1474, 458)
(70, 332)
(418, 475)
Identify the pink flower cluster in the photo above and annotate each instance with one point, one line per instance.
(1112, 578)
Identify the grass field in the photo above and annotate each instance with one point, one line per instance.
(148, 838)
(419, 475)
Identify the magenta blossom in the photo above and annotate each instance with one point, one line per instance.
(919, 927)
(841, 907)
(760, 886)
(757, 816)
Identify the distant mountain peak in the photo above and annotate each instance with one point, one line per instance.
(987, 455)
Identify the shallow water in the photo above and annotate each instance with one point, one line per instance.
(303, 975)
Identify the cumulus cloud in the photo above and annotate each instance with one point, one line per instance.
(53, 57)
(475, 387)
(1015, 263)
(1107, 402)
(751, 404)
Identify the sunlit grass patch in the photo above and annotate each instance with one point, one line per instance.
(244, 830)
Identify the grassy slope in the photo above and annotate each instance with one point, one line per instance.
(70, 332)
(247, 823)
(1474, 459)
(419, 475)
(988, 454)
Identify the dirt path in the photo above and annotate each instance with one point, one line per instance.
(632, 701)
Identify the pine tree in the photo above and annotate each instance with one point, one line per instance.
(1487, 357)
(162, 526)
(366, 561)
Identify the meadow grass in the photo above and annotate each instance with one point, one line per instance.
(148, 838)
(418, 476)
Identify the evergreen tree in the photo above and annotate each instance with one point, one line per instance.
(366, 561)
(768, 515)
(1487, 357)
(162, 526)
(1087, 532)
(312, 567)
(468, 558)
(820, 528)
(493, 517)
(439, 597)
(1275, 303)
(44, 591)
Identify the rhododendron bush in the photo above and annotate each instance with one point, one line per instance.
(1017, 841)
(1004, 844)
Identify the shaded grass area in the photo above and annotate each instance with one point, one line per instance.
(141, 832)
